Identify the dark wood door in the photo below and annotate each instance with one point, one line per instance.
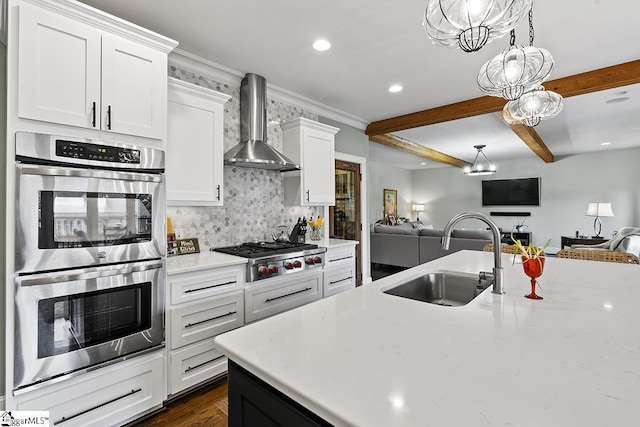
(344, 217)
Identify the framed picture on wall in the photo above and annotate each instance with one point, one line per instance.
(390, 198)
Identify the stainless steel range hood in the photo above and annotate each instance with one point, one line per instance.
(253, 150)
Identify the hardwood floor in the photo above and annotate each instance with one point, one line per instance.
(206, 407)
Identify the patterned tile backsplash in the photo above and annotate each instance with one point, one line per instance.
(253, 198)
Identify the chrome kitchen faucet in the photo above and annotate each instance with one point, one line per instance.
(496, 275)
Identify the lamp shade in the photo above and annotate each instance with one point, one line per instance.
(599, 209)
(417, 208)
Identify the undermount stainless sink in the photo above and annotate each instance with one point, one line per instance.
(447, 289)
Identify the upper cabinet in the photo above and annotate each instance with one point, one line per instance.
(311, 145)
(73, 70)
(195, 145)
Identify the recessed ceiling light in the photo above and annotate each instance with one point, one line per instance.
(423, 163)
(321, 45)
(395, 88)
(616, 100)
(605, 143)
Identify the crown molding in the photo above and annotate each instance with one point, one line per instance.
(226, 75)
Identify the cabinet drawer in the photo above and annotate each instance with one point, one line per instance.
(202, 284)
(198, 320)
(338, 280)
(108, 396)
(194, 364)
(340, 256)
(278, 294)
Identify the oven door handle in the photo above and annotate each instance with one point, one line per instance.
(89, 273)
(90, 173)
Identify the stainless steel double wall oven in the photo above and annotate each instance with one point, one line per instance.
(89, 255)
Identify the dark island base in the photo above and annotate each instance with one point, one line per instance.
(254, 403)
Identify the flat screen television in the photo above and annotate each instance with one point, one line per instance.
(511, 192)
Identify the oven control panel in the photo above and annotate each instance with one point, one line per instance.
(267, 269)
(102, 153)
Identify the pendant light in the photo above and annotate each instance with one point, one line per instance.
(470, 24)
(481, 164)
(536, 105)
(516, 69)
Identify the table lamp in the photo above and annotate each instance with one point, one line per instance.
(417, 208)
(598, 209)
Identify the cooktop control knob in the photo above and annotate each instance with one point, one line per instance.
(273, 268)
(288, 265)
(297, 264)
(264, 271)
(317, 260)
(309, 261)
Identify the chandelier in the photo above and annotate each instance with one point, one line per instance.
(481, 165)
(536, 105)
(470, 24)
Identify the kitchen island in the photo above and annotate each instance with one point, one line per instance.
(366, 358)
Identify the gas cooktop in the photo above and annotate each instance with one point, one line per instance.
(272, 259)
(264, 249)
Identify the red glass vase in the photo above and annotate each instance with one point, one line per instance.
(533, 268)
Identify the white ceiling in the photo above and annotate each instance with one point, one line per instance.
(376, 43)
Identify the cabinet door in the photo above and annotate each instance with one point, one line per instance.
(134, 88)
(58, 69)
(318, 165)
(195, 146)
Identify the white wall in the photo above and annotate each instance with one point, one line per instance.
(567, 185)
(383, 176)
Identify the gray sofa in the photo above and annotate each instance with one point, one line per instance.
(410, 244)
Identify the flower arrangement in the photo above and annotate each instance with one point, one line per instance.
(315, 226)
(530, 251)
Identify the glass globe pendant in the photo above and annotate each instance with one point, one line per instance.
(514, 71)
(470, 24)
(536, 105)
(517, 69)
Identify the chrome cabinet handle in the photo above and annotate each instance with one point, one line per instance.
(93, 114)
(307, 195)
(218, 188)
(341, 280)
(191, 325)
(340, 259)
(191, 368)
(287, 295)
(109, 117)
(70, 417)
(188, 291)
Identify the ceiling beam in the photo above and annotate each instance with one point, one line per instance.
(531, 138)
(418, 150)
(578, 84)
(533, 141)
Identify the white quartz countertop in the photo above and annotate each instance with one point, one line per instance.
(366, 358)
(202, 261)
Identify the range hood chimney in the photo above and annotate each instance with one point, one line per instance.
(253, 150)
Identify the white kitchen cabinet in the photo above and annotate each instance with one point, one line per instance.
(339, 273)
(195, 145)
(73, 70)
(312, 146)
(194, 364)
(205, 318)
(200, 305)
(272, 296)
(111, 395)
